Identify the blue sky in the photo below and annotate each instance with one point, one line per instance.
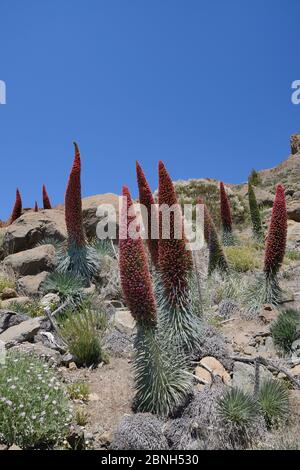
(204, 85)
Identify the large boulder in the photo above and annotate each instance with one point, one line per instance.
(24, 331)
(293, 210)
(293, 234)
(89, 209)
(30, 285)
(33, 227)
(9, 319)
(34, 261)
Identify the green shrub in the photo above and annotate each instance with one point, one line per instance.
(285, 329)
(34, 409)
(237, 407)
(78, 391)
(242, 258)
(104, 247)
(292, 255)
(32, 309)
(81, 416)
(273, 401)
(254, 178)
(66, 285)
(6, 282)
(80, 331)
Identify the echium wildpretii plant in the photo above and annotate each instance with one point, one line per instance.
(46, 200)
(151, 218)
(161, 380)
(255, 214)
(217, 260)
(81, 260)
(266, 287)
(17, 210)
(275, 246)
(177, 309)
(226, 219)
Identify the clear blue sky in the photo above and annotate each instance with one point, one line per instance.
(202, 84)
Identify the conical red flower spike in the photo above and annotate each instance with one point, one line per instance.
(225, 210)
(46, 200)
(146, 198)
(73, 205)
(17, 210)
(175, 260)
(134, 271)
(276, 238)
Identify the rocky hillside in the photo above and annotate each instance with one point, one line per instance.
(232, 345)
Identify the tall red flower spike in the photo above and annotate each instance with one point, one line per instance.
(73, 205)
(36, 207)
(175, 260)
(17, 210)
(276, 239)
(46, 200)
(134, 271)
(146, 198)
(225, 210)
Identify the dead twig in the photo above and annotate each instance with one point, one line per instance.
(269, 365)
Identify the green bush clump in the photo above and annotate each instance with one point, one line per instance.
(78, 391)
(68, 286)
(292, 255)
(80, 330)
(285, 329)
(33, 308)
(273, 401)
(242, 258)
(254, 178)
(237, 407)
(34, 408)
(104, 247)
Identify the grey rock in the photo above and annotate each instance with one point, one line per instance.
(34, 227)
(33, 261)
(30, 285)
(41, 351)
(244, 376)
(123, 321)
(50, 300)
(22, 332)
(8, 293)
(118, 344)
(8, 319)
(9, 303)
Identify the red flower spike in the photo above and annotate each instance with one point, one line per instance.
(276, 238)
(36, 207)
(146, 198)
(134, 271)
(73, 205)
(225, 210)
(17, 210)
(175, 260)
(46, 200)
